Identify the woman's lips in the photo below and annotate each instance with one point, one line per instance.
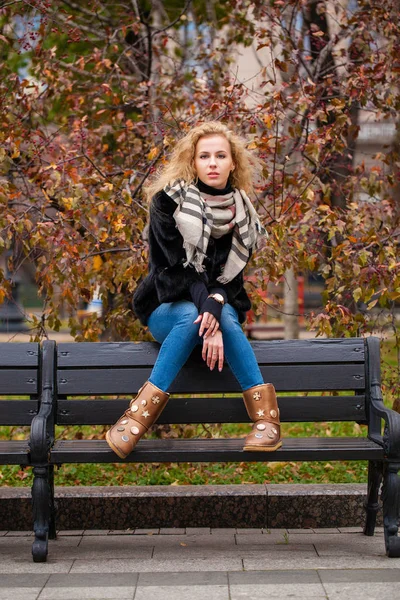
(213, 174)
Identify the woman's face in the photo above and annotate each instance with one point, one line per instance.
(213, 160)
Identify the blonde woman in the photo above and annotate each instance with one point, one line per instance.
(203, 229)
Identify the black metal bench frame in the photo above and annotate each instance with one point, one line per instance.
(26, 385)
(79, 378)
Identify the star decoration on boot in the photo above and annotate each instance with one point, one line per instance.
(257, 396)
(260, 413)
(155, 400)
(145, 414)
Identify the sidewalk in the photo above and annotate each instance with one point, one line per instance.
(197, 564)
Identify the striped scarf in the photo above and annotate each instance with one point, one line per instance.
(199, 216)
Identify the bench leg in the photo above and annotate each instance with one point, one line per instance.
(41, 513)
(372, 505)
(53, 506)
(391, 506)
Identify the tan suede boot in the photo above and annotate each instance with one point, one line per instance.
(141, 414)
(262, 408)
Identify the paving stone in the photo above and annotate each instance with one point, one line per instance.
(193, 544)
(70, 532)
(87, 593)
(172, 531)
(277, 536)
(290, 590)
(251, 551)
(20, 542)
(366, 591)
(350, 529)
(153, 565)
(19, 593)
(196, 592)
(273, 577)
(223, 531)
(326, 530)
(198, 531)
(19, 534)
(3, 533)
(359, 575)
(275, 531)
(23, 580)
(28, 566)
(115, 542)
(121, 532)
(89, 532)
(102, 548)
(24, 544)
(249, 531)
(146, 531)
(178, 579)
(294, 531)
(348, 549)
(283, 561)
(93, 579)
(339, 540)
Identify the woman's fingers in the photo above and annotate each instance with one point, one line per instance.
(221, 359)
(203, 324)
(212, 326)
(215, 328)
(207, 325)
(213, 357)
(216, 356)
(213, 351)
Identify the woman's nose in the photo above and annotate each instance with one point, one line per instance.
(212, 161)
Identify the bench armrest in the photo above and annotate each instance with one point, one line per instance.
(42, 426)
(391, 435)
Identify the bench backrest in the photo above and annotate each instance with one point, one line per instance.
(304, 372)
(19, 382)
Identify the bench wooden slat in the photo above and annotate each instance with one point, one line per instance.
(217, 450)
(124, 354)
(18, 381)
(14, 452)
(215, 410)
(286, 378)
(17, 412)
(23, 354)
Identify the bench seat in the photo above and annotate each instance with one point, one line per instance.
(14, 452)
(217, 450)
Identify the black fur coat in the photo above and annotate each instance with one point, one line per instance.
(168, 280)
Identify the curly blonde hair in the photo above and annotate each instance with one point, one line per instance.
(181, 162)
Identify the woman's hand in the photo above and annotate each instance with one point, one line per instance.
(209, 324)
(213, 350)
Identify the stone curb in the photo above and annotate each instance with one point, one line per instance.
(290, 506)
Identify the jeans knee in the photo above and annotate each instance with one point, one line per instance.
(187, 313)
(229, 319)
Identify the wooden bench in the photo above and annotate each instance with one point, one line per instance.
(26, 401)
(87, 373)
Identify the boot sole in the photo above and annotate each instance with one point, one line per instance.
(113, 447)
(262, 448)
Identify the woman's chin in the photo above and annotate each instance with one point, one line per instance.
(215, 183)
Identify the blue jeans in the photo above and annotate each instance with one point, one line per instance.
(171, 324)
